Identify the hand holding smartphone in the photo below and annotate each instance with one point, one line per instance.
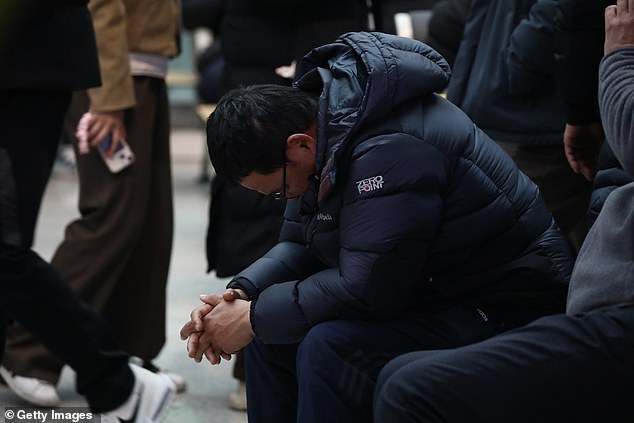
(116, 160)
(120, 159)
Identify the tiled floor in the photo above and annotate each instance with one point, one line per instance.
(209, 386)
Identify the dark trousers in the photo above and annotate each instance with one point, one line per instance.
(116, 255)
(557, 369)
(31, 291)
(330, 376)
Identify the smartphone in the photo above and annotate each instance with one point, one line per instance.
(122, 157)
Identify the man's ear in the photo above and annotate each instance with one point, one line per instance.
(300, 143)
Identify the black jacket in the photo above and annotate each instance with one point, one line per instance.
(415, 206)
(261, 35)
(446, 27)
(503, 75)
(243, 225)
(48, 45)
(579, 48)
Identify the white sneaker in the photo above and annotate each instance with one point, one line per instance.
(178, 380)
(36, 391)
(149, 402)
(238, 399)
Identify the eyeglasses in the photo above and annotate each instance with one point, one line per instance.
(282, 195)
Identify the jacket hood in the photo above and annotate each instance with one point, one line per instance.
(362, 77)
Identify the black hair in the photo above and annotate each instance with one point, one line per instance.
(248, 130)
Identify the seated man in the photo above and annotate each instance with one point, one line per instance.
(574, 367)
(407, 228)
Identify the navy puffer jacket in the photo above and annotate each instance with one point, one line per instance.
(414, 207)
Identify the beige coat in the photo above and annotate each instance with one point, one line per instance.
(129, 26)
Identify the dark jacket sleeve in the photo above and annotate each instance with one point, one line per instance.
(530, 58)
(609, 177)
(286, 261)
(616, 95)
(202, 13)
(289, 260)
(384, 237)
(579, 48)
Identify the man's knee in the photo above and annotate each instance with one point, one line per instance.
(318, 341)
(388, 403)
(323, 347)
(258, 355)
(398, 400)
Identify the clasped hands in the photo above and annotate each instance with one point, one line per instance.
(221, 326)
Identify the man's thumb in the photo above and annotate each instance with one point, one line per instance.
(211, 299)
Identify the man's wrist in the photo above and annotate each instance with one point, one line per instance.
(242, 295)
(245, 285)
(252, 317)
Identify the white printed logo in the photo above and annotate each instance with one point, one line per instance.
(483, 315)
(324, 216)
(370, 184)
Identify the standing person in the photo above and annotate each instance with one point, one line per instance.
(260, 42)
(577, 367)
(579, 47)
(36, 80)
(386, 181)
(504, 80)
(116, 254)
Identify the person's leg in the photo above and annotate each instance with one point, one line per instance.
(238, 399)
(331, 376)
(31, 291)
(24, 354)
(138, 299)
(339, 361)
(87, 258)
(559, 368)
(116, 255)
(239, 371)
(271, 382)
